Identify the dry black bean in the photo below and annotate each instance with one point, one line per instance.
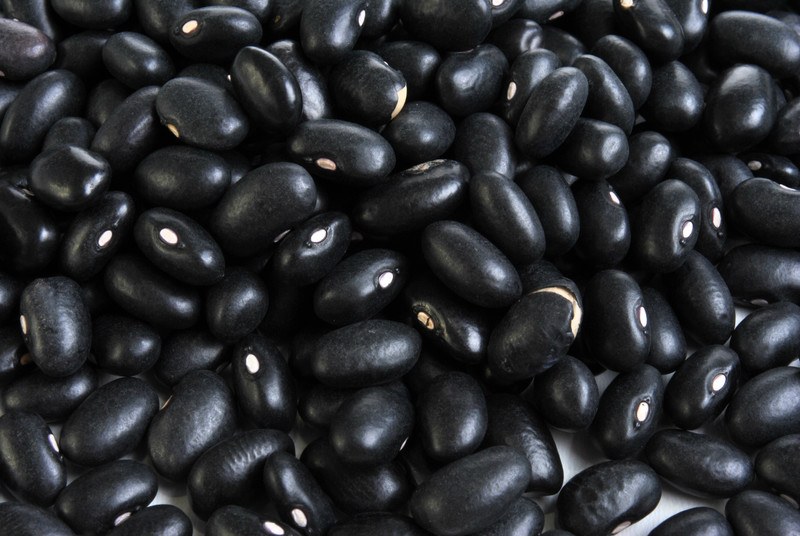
(163, 519)
(767, 212)
(377, 523)
(136, 60)
(26, 51)
(667, 341)
(551, 197)
(421, 132)
(527, 70)
(73, 131)
(609, 99)
(776, 465)
(188, 350)
(699, 520)
(448, 24)
(21, 519)
(12, 350)
(768, 337)
(653, 26)
(564, 45)
(565, 395)
(485, 64)
(675, 102)
(330, 29)
(54, 399)
(605, 234)
(85, 15)
(232, 520)
(771, 166)
(754, 512)
(757, 275)
(516, 36)
(485, 144)
(215, 33)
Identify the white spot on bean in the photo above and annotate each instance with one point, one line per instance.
(402, 95)
(172, 128)
(104, 238)
(251, 363)
(626, 4)
(718, 382)
(754, 165)
(121, 518)
(426, 320)
(759, 302)
(274, 528)
(577, 312)
(299, 518)
(326, 163)
(716, 217)
(704, 7)
(168, 236)
(557, 15)
(23, 324)
(687, 229)
(385, 279)
(53, 443)
(642, 411)
(512, 90)
(614, 197)
(641, 313)
(318, 236)
(362, 17)
(622, 526)
(190, 26)
(2, 74)
(498, 3)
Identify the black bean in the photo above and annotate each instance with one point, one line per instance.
(420, 132)
(230, 471)
(377, 523)
(523, 517)
(728, 171)
(162, 519)
(629, 63)
(12, 351)
(653, 26)
(543, 11)
(320, 403)
(667, 341)
(24, 50)
(236, 305)
(564, 45)
(215, 33)
(527, 70)
(608, 100)
(103, 100)
(52, 398)
(608, 497)
(74, 131)
(776, 465)
(85, 15)
(754, 512)
(82, 53)
(676, 100)
(38, 14)
(565, 395)
(69, 178)
(765, 210)
(448, 24)
(29, 234)
(136, 60)
(330, 29)
(594, 150)
(312, 249)
(232, 520)
(758, 275)
(784, 138)
(416, 60)
(516, 36)
(156, 16)
(551, 197)
(21, 519)
(649, 160)
(772, 166)
(699, 520)
(768, 337)
(31, 465)
(605, 234)
(485, 144)
(123, 345)
(185, 351)
(315, 101)
(485, 64)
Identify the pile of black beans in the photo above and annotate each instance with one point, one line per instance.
(403, 237)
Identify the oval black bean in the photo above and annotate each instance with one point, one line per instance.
(485, 144)
(74, 131)
(754, 512)
(775, 465)
(421, 132)
(330, 29)
(54, 399)
(768, 337)
(448, 24)
(667, 341)
(163, 519)
(136, 60)
(188, 350)
(214, 33)
(551, 197)
(629, 63)
(232, 520)
(26, 51)
(485, 64)
(527, 70)
(757, 275)
(676, 100)
(377, 523)
(653, 26)
(21, 519)
(699, 520)
(605, 234)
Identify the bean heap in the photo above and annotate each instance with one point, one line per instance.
(410, 233)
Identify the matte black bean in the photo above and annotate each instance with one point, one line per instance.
(485, 144)
(12, 352)
(267, 90)
(130, 132)
(31, 466)
(11, 289)
(605, 234)
(299, 499)
(201, 114)
(784, 138)
(230, 471)
(43, 101)
(755, 512)
(141, 290)
(772, 166)
(485, 64)
(319, 404)
(608, 496)
(653, 26)
(472, 493)
(69, 178)
(103, 100)
(615, 327)
(416, 60)
(551, 197)
(56, 325)
(260, 8)
(608, 99)
(470, 265)
(649, 160)
(551, 112)
(512, 422)
(728, 171)
(527, 71)
(157, 16)
(629, 63)
(699, 520)
(345, 153)
(366, 353)
(372, 426)
(25, 51)
(382, 488)
(200, 413)
(593, 150)
(185, 351)
(329, 30)
(215, 33)
(421, 132)
(701, 299)
(459, 328)
(163, 519)
(75, 131)
(21, 519)
(109, 423)
(448, 24)
(516, 36)
(315, 101)
(628, 413)
(451, 416)
(413, 198)
(136, 60)
(28, 235)
(52, 398)
(766, 211)
(563, 44)
(263, 383)
(38, 13)
(758, 275)
(82, 53)
(765, 408)
(676, 100)
(775, 464)
(85, 14)
(565, 395)
(236, 305)
(699, 464)
(209, 73)
(746, 37)
(377, 523)
(523, 517)
(100, 498)
(768, 337)
(123, 345)
(312, 249)
(667, 341)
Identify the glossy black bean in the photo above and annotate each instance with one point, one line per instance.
(123, 345)
(693, 18)
(38, 13)
(512, 422)
(230, 471)
(565, 395)
(470, 265)
(103, 100)
(52, 398)
(768, 337)
(55, 325)
(21, 519)
(784, 138)
(758, 275)
(236, 305)
(485, 144)
(109, 423)
(653, 26)
(551, 197)
(448, 24)
(472, 493)
(765, 408)
(342, 152)
(200, 413)
(608, 496)
(413, 198)
(527, 70)
(551, 112)
(299, 499)
(649, 160)
(329, 30)
(136, 60)
(74, 131)
(701, 299)
(382, 488)
(130, 132)
(699, 520)
(563, 44)
(699, 464)
(775, 465)
(263, 383)
(459, 328)
(98, 499)
(372, 426)
(771, 166)
(593, 150)
(765, 210)
(8, 92)
(608, 99)
(416, 60)
(543, 11)
(209, 73)
(232, 520)
(215, 33)
(31, 465)
(451, 416)
(24, 50)
(316, 103)
(260, 8)
(676, 100)
(157, 16)
(605, 234)
(86, 15)
(421, 131)
(754, 512)
(523, 517)
(185, 351)
(516, 36)
(667, 341)
(319, 403)
(43, 101)
(162, 519)
(82, 53)
(69, 178)
(485, 64)
(629, 63)
(12, 352)
(377, 523)
(366, 353)
(312, 249)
